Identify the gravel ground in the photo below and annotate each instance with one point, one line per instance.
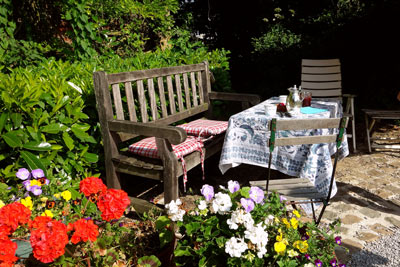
(382, 252)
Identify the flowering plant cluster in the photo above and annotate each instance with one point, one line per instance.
(77, 224)
(243, 227)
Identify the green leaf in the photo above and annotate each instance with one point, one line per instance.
(90, 157)
(17, 119)
(81, 126)
(32, 161)
(37, 146)
(3, 119)
(181, 252)
(162, 222)
(12, 139)
(83, 136)
(69, 142)
(244, 191)
(54, 128)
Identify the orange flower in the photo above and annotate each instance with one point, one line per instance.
(112, 204)
(92, 186)
(84, 230)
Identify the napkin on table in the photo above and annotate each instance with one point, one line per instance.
(311, 110)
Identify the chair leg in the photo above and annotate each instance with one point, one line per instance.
(353, 124)
(368, 133)
(321, 213)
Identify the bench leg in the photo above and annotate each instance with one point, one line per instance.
(368, 133)
(353, 125)
(170, 163)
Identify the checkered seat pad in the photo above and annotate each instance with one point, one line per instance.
(147, 148)
(204, 128)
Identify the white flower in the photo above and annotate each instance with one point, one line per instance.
(269, 220)
(173, 210)
(239, 216)
(261, 252)
(309, 265)
(235, 247)
(257, 235)
(202, 205)
(222, 203)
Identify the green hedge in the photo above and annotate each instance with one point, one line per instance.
(48, 114)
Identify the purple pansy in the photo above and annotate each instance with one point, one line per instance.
(23, 174)
(342, 265)
(233, 186)
(307, 256)
(247, 204)
(338, 240)
(27, 184)
(37, 173)
(36, 190)
(333, 263)
(256, 194)
(207, 191)
(318, 263)
(282, 198)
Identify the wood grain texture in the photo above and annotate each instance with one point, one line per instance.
(142, 101)
(130, 101)
(161, 93)
(117, 101)
(171, 95)
(152, 96)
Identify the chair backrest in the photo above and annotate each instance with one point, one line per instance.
(322, 77)
(307, 124)
(163, 96)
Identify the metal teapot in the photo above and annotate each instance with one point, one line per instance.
(295, 99)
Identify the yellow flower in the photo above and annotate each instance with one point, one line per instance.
(58, 195)
(35, 182)
(2, 204)
(44, 199)
(27, 202)
(47, 213)
(296, 213)
(279, 237)
(294, 223)
(280, 248)
(66, 195)
(292, 253)
(285, 221)
(284, 241)
(276, 220)
(302, 246)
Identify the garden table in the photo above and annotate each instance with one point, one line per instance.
(246, 141)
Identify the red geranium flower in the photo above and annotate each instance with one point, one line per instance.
(5, 231)
(7, 252)
(92, 186)
(112, 204)
(84, 230)
(48, 239)
(14, 215)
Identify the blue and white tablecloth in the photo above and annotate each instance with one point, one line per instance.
(246, 141)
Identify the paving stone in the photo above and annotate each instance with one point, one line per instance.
(393, 221)
(370, 212)
(342, 254)
(374, 173)
(383, 193)
(368, 237)
(344, 207)
(380, 229)
(352, 245)
(330, 215)
(351, 219)
(343, 230)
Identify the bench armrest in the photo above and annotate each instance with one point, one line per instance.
(251, 98)
(175, 135)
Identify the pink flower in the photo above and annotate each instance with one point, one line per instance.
(23, 174)
(247, 204)
(207, 191)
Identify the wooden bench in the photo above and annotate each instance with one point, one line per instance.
(146, 103)
(371, 116)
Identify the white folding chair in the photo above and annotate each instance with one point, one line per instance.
(323, 78)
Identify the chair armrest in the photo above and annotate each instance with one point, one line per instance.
(251, 98)
(349, 95)
(175, 135)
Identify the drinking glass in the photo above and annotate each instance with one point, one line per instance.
(307, 98)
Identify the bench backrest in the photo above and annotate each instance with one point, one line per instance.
(163, 95)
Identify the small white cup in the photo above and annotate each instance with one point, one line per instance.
(270, 110)
(282, 99)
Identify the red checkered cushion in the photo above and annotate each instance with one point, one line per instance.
(204, 128)
(147, 147)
